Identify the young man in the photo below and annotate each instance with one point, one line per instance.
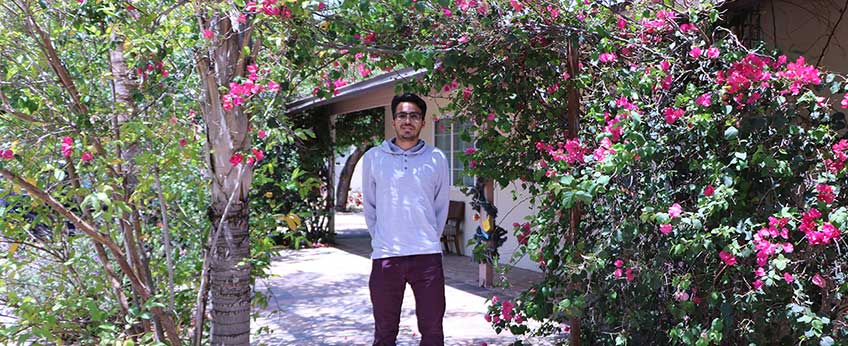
(405, 190)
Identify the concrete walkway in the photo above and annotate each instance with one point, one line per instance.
(320, 297)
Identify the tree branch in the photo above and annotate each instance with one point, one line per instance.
(56, 64)
(832, 32)
(98, 237)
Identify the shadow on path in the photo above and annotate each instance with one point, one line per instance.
(320, 297)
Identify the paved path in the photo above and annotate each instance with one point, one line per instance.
(320, 297)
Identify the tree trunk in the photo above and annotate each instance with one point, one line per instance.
(229, 276)
(346, 175)
(227, 135)
(331, 183)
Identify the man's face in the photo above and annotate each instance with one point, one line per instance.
(408, 121)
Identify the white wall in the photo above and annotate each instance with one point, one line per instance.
(509, 211)
(356, 179)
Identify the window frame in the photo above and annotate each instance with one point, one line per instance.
(453, 138)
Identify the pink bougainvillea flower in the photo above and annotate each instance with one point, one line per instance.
(574, 151)
(491, 116)
(727, 258)
(370, 37)
(709, 190)
(788, 277)
(713, 52)
(250, 160)
(825, 193)
(665, 228)
(165, 73)
(672, 114)
(665, 83)
(607, 57)
(453, 85)
(286, 12)
(788, 247)
(553, 11)
(469, 151)
(687, 27)
(447, 12)
(516, 5)
(472, 164)
(818, 280)
(261, 134)
(321, 6)
(488, 318)
(845, 101)
(839, 156)
(87, 157)
(800, 74)
(695, 52)
(665, 66)
(675, 210)
(618, 263)
(629, 274)
(236, 159)
(8, 154)
(183, 142)
(758, 284)
(259, 154)
(67, 146)
(507, 307)
(273, 86)
(621, 23)
(466, 93)
(704, 100)
(618, 273)
(208, 34)
(603, 150)
(227, 102)
(760, 272)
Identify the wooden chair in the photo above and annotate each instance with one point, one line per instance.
(453, 227)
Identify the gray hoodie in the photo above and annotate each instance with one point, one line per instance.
(406, 198)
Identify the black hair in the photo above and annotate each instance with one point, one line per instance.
(409, 97)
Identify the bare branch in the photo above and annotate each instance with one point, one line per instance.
(832, 32)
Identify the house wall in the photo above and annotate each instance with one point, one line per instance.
(510, 211)
(802, 28)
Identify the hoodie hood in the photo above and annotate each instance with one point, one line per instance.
(390, 147)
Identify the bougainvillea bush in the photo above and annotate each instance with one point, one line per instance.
(708, 175)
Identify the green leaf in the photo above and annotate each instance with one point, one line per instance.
(731, 133)
(780, 262)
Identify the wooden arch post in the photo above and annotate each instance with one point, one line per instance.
(573, 111)
(487, 270)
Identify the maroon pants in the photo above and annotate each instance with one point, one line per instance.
(388, 281)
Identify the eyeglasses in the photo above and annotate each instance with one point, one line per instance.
(413, 117)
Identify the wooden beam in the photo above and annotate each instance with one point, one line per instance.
(573, 113)
(331, 183)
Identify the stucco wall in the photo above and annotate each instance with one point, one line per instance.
(803, 27)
